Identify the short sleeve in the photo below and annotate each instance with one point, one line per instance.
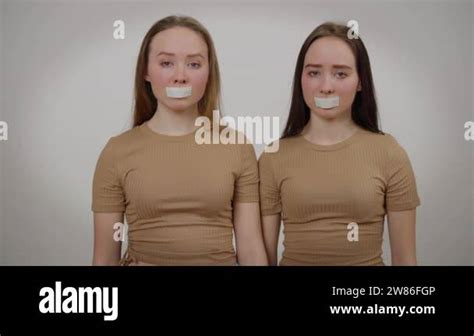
(401, 193)
(107, 191)
(270, 199)
(246, 184)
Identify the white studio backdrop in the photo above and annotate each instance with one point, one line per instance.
(67, 88)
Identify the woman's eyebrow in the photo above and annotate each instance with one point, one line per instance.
(341, 66)
(164, 53)
(195, 55)
(336, 66)
(171, 54)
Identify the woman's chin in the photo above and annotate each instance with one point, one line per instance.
(328, 114)
(179, 104)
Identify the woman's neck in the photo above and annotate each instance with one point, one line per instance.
(323, 131)
(169, 122)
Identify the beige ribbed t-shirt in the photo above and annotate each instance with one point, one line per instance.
(177, 195)
(320, 189)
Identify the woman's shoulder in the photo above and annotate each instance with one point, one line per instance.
(384, 140)
(386, 144)
(128, 135)
(281, 147)
(124, 140)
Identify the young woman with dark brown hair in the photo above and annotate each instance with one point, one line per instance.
(336, 175)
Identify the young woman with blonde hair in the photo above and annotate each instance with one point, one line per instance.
(182, 200)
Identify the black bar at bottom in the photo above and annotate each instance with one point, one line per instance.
(200, 299)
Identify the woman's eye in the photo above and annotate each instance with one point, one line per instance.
(341, 74)
(313, 73)
(165, 64)
(195, 65)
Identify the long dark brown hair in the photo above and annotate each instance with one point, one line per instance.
(145, 103)
(364, 107)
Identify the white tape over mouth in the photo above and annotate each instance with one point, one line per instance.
(327, 103)
(178, 92)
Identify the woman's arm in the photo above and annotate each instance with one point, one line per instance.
(271, 232)
(402, 232)
(107, 251)
(248, 234)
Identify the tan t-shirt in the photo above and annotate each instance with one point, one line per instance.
(319, 190)
(177, 195)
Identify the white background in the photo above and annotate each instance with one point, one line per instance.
(67, 87)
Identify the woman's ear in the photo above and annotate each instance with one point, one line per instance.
(359, 87)
(147, 78)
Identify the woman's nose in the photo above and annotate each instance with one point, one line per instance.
(180, 75)
(327, 86)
